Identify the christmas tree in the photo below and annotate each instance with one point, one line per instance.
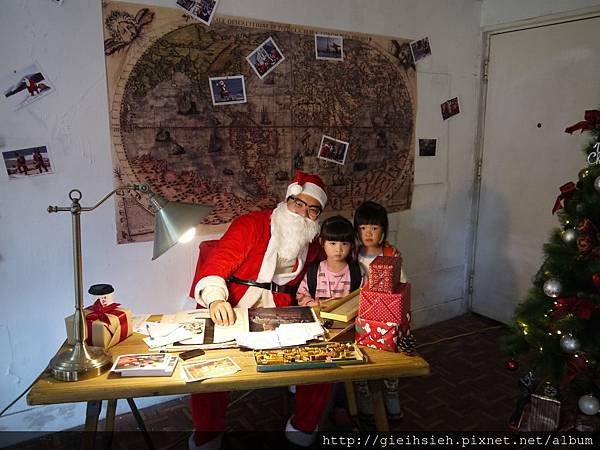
(556, 329)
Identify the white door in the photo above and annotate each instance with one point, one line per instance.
(540, 80)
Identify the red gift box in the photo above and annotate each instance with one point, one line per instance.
(385, 273)
(385, 307)
(379, 335)
(105, 326)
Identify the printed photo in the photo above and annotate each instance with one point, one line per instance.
(329, 47)
(203, 10)
(268, 319)
(265, 58)
(333, 150)
(427, 147)
(450, 108)
(25, 86)
(140, 361)
(26, 162)
(227, 90)
(195, 371)
(420, 49)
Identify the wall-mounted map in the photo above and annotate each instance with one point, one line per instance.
(240, 157)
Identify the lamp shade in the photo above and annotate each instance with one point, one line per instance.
(172, 220)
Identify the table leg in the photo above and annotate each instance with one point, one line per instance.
(381, 422)
(141, 424)
(351, 398)
(109, 422)
(92, 413)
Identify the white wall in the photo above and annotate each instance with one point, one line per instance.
(495, 12)
(36, 288)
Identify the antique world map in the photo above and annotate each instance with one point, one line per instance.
(166, 131)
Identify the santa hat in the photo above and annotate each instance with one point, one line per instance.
(306, 183)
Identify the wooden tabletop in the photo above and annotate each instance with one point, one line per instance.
(111, 386)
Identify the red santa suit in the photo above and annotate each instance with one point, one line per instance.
(247, 252)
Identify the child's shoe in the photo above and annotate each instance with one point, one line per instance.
(364, 399)
(392, 399)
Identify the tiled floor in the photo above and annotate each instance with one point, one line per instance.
(469, 389)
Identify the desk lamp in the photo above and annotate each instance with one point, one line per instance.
(173, 222)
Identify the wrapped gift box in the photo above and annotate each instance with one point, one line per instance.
(384, 307)
(379, 335)
(105, 325)
(385, 273)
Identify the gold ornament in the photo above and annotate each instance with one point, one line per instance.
(584, 174)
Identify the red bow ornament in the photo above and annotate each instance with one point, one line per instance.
(581, 307)
(592, 118)
(575, 366)
(566, 192)
(588, 238)
(596, 280)
(99, 311)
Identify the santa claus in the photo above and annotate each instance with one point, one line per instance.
(260, 261)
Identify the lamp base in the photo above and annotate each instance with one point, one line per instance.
(78, 362)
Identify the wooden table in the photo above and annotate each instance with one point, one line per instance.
(111, 387)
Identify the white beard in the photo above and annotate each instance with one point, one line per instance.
(291, 231)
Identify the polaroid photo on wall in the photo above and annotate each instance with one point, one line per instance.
(27, 162)
(329, 47)
(227, 90)
(333, 150)
(25, 86)
(203, 10)
(427, 147)
(265, 58)
(450, 108)
(420, 49)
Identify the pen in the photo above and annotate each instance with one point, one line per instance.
(148, 330)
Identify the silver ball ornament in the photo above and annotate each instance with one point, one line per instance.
(569, 343)
(588, 404)
(569, 235)
(597, 184)
(552, 288)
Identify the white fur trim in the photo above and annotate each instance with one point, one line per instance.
(298, 437)
(213, 444)
(315, 192)
(308, 188)
(212, 281)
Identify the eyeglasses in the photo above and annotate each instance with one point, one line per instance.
(313, 211)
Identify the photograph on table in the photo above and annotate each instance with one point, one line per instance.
(420, 49)
(203, 10)
(25, 86)
(427, 147)
(26, 162)
(333, 150)
(141, 361)
(201, 370)
(450, 108)
(227, 90)
(265, 58)
(266, 319)
(329, 47)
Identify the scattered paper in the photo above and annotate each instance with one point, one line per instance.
(160, 339)
(286, 335)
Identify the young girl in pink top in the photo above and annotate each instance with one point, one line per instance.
(334, 276)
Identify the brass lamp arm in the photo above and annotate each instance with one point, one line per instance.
(75, 196)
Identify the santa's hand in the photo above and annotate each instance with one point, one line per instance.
(222, 313)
